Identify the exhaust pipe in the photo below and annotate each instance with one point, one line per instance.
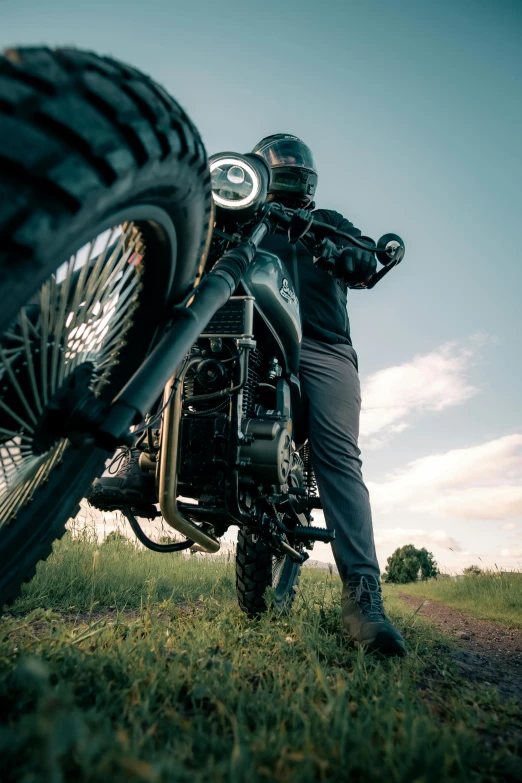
(168, 469)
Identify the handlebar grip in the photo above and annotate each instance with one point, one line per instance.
(389, 250)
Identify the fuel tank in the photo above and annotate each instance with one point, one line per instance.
(276, 301)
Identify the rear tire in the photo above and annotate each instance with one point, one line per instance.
(257, 568)
(87, 143)
(254, 573)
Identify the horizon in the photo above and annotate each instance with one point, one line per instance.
(104, 523)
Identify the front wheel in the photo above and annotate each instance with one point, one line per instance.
(105, 208)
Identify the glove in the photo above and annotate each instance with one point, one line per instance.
(355, 265)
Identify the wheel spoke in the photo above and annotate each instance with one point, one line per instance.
(13, 337)
(24, 321)
(80, 314)
(14, 382)
(45, 317)
(78, 296)
(21, 486)
(100, 275)
(89, 321)
(117, 329)
(60, 323)
(13, 434)
(15, 416)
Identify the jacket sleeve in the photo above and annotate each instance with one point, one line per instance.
(336, 220)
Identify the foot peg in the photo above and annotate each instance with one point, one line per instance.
(310, 533)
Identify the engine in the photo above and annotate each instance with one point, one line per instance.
(231, 390)
(205, 420)
(205, 423)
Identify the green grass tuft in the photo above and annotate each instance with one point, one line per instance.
(119, 664)
(491, 595)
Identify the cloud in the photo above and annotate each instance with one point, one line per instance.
(480, 482)
(509, 526)
(429, 382)
(399, 536)
(516, 552)
(451, 557)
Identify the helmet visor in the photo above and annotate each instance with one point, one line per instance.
(287, 152)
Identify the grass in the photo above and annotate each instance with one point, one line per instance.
(491, 595)
(119, 664)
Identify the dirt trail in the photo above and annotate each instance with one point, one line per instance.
(488, 653)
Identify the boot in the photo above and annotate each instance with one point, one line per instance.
(364, 618)
(130, 487)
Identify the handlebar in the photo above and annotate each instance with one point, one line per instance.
(319, 229)
(389, 250)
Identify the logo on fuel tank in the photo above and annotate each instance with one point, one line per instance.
(288, 293)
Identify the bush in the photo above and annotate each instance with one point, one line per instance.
(115, 537)
(409, 564)
(472, 570)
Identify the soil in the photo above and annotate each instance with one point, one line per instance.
(486, 653)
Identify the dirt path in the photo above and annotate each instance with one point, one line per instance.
(488, 653)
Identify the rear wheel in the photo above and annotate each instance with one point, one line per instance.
(258, 567)
(105, 208)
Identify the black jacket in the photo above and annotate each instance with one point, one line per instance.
(322, 297)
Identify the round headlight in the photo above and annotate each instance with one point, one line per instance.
(236, 175)
(235, 182)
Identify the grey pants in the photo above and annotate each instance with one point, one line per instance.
(330, 379)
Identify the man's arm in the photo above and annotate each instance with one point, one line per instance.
(355, 265)
(339, 222)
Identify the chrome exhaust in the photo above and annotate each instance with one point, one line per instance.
(168, 468)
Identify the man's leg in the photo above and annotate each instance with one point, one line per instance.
(330, 379)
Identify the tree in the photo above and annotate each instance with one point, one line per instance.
(115, 537)
(409, 564)
(472, 570)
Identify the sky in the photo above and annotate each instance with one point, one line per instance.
(413, 109)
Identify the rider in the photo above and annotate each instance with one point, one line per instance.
(328, 371)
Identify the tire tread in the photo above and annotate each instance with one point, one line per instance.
(254, 575)
(72, 105)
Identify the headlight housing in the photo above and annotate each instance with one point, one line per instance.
(239, 184)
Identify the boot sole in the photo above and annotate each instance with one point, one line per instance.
(114, 498)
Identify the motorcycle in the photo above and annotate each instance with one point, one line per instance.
(140, 311)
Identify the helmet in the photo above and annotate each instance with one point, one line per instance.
(293, 168)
